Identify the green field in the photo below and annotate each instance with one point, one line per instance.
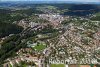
(57, 65)
(40, 47)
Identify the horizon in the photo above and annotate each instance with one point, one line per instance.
(50, 1)
(87, 1)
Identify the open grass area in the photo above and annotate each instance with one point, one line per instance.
(10, 65)
(57, 65)
(24, 65)
(40, 47)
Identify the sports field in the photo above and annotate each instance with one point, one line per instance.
(57, 65)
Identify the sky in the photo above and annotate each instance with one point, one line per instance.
(57, 0)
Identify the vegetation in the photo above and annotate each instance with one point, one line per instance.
(39, 47)
(97, 18)
(8, 28)
(57, 65)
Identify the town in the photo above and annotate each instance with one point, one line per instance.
(51, 39)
